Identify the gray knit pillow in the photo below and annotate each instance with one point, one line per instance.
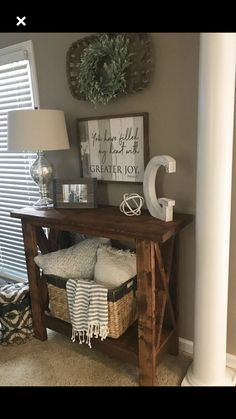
(75, 262)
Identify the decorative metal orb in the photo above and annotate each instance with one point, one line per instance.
(131, 199)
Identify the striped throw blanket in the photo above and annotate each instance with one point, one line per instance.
(88, 309)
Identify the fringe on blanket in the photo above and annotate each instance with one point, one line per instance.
(94, 330)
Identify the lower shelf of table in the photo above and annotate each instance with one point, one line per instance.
(124, 348)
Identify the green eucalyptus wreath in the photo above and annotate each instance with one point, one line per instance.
(101, 71)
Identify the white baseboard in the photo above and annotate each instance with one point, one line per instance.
(231, 361)
(187, 346)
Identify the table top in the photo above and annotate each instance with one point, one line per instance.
(105, 221)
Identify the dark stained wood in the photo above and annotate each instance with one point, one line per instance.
(161, 298)
(146, 313)
(173, 283)
(106, 220)
(124, 348)
(35, 285)
(165, 282)
(44, 292)
(54, 238)
(42, 241)
(174, 295)
(167, 251)
(157, 293)
(58, 325)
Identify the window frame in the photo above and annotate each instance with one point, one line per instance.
(25, 50)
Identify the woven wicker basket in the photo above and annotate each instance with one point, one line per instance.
(122, 307)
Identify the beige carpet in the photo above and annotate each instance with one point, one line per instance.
(59, 362)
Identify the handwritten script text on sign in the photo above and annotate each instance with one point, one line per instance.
(114, 149)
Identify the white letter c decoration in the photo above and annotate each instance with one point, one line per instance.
(161, 208)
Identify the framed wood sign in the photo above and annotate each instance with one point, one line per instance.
(114, 148)
(75, 193)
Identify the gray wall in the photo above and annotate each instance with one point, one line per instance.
(171, 102)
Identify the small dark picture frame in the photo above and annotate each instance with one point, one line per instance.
(75, 193)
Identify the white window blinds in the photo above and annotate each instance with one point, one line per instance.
(17, 188)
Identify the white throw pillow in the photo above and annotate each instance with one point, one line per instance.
(74, 262)
(114, 267)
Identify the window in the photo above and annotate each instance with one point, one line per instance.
(18, 90)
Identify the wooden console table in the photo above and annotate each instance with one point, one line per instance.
(156, 249)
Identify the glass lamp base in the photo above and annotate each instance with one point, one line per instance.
(42, 173)
(44, 203)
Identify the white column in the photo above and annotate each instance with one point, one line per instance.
(214, 172)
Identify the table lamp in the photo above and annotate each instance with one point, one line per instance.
(38, 130)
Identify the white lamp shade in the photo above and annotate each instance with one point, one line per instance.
(37, 130)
